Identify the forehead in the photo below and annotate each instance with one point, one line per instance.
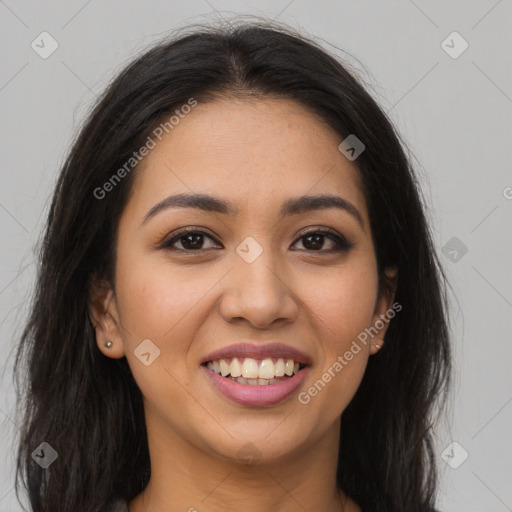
(256, 153)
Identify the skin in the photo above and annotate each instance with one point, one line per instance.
(255, 154)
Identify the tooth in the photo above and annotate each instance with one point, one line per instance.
(252, 382)
(273, 381)
(241, 380)
(296, 368)
(250, 368)
(289, 367)
(266, 370)
(224, 367)
(209, 365)
(263, 382)
(216, 367)
(279, 368)
(235, 368)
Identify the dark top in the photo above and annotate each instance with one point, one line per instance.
(119, 506)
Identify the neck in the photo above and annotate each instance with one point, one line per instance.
(185, 477)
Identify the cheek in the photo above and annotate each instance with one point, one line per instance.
(167, 305)
(342, 301)
(155, 298)
(160, 304)
(342, 309)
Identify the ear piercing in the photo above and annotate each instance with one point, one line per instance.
(377, 346)
(108, 344)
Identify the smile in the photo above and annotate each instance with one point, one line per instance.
(255, 372)
(255, 382)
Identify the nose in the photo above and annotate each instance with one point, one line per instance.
(259, 293)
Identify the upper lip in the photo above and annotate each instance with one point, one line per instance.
(258, 351)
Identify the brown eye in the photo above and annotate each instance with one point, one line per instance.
(193, 240)
(188, 240)
(315, 240)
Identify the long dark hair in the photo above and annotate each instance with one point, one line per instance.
(89, 408)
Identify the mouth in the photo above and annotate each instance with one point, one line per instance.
(255, 372)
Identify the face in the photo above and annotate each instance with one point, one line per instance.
(249, 273)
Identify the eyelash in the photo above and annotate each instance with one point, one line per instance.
(342, 244)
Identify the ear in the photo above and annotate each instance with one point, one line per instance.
(384, 310)
(105, 318)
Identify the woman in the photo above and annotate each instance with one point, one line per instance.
(239, 304)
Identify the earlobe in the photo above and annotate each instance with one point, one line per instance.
(104, 317)
(111, 349)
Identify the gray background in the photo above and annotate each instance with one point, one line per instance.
(455, 114)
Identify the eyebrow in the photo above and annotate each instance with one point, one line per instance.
(292, 206)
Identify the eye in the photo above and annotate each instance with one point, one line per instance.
(314, 240)
(189, 239)
(193, 240)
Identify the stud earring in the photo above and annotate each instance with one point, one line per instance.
(108, 344)
(377, 346)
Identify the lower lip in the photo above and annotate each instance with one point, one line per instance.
(256, 396)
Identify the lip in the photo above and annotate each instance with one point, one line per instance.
(258, 351)
(256, 396)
